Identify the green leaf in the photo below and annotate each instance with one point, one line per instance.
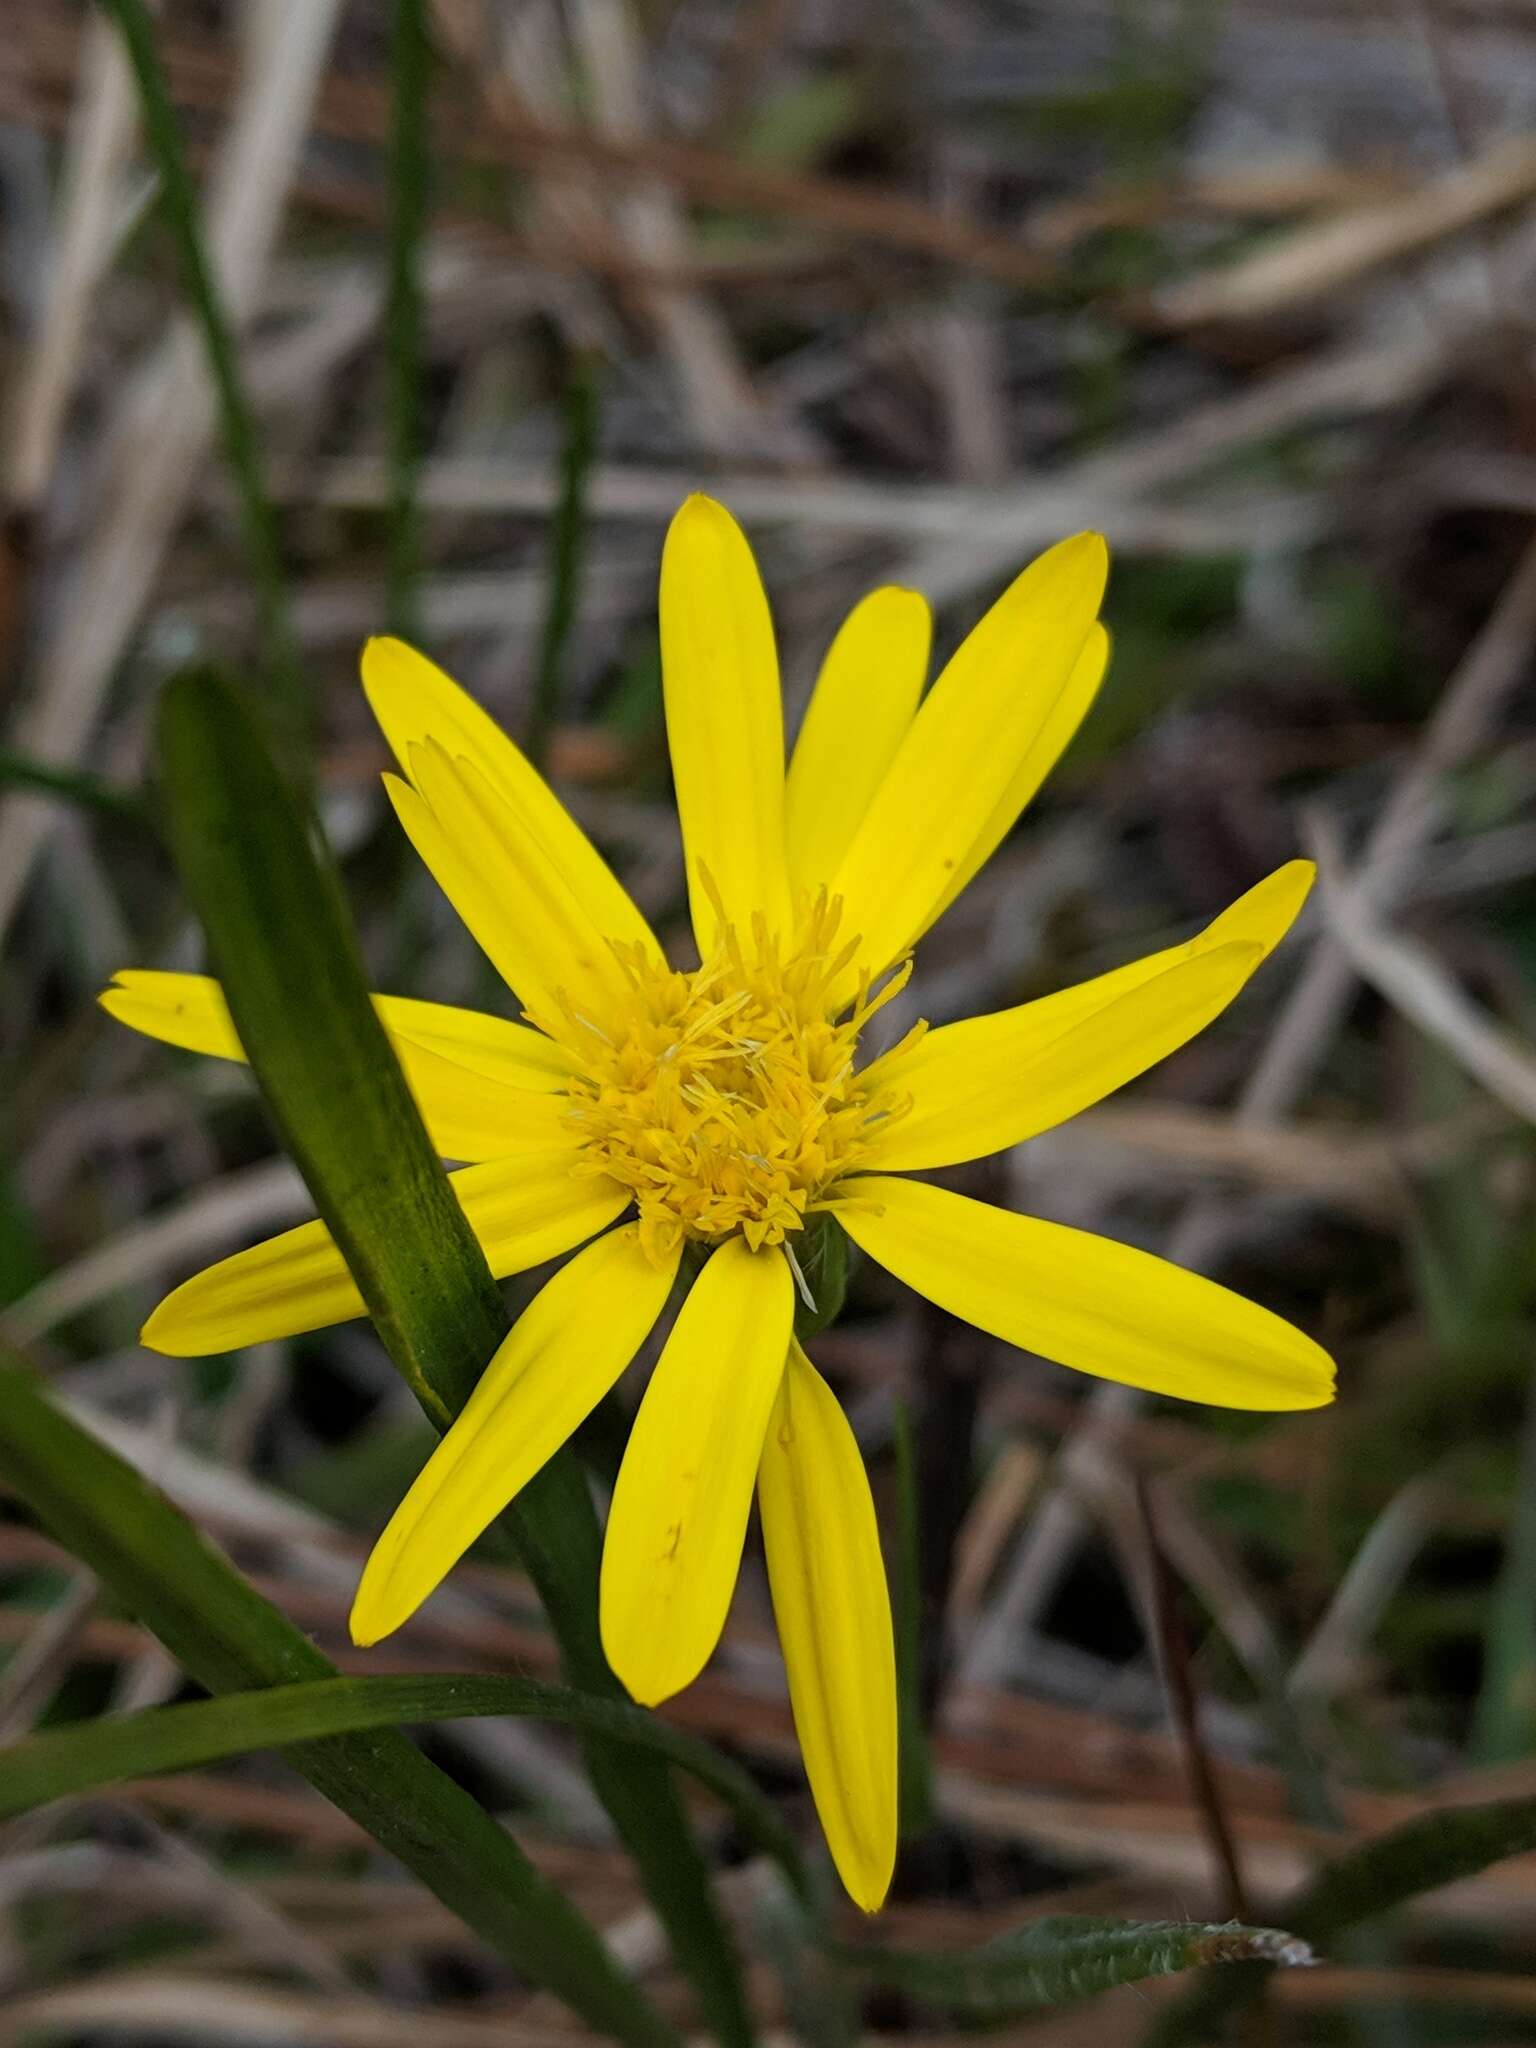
(567, 549)
(1420, 1856)
(221, 1631)
(1066, 1957)
(283, 946)
(822, 1265)
(76, 786)
(63, 1762)
(284, 951)
(237, 422)
(409, 181)
(1504, 1723)
(21, 1259)
(1364, 1883)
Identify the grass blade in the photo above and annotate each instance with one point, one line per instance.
(1364, 1883)
(567, 547)
(411, 67)
(222, 1632)
(282, 943)
(76, 786)
(237, 425)
(1505, 1720)
(64, 1762)
(1070, 1956)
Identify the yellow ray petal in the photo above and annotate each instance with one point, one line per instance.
(987, 1083)
(509, 890)
(864, 700)
(973, 735)
(1055, 736)
(188, 1010)
(725, 723)
(523, 1211)
(566, 1350)
(679, 1513)
(1010, 1054)
(1084, 1301)
(415, 702)
(474, 894)
(493, 1046)
(469, 1113)
(834, 1620)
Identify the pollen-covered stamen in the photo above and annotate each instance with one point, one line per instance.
(726, 1099)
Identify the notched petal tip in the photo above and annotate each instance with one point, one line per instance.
(1089, 547)
(372, 1618)
(1070, 577)
(1324, 1389)
(868, 1890)
(379, 648)
(364, 1634)
(646, 1687)
(700, 515)
(1307, 1378)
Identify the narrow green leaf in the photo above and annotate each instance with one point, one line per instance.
(1505, 1721)
(821, 1260)
(237, 424)
(75, 786)
(1365, 1882)
(21, 1257)
(821, 1998)
(1071, 1956)
(283, 946)
(1420, 1856)
(410, 71)
(63, 1762)
(567, 548)
(222, 1632)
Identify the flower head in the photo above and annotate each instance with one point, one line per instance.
(727, 1099)
(717, 1111)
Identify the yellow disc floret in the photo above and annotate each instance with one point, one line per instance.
(726, 1099)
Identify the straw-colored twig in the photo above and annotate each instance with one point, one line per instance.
(247, 1202)
(1312, 261)
(93, 214)
(1415, 983)
(165, 422)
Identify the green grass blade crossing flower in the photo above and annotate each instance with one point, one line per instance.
(282, 943)
(80, 1757)
(237, 425)
(229, 1638)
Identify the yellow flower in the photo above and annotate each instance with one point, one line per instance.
(724, 1107)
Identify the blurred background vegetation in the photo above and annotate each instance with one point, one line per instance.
(915, 290)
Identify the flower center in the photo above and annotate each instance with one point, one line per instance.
(726, 1099)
